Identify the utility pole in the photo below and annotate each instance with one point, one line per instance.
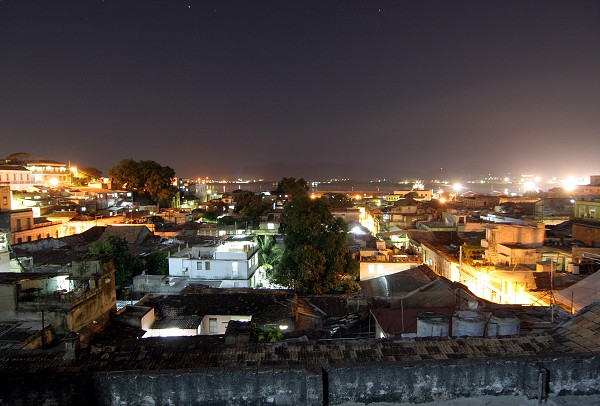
(460, 250)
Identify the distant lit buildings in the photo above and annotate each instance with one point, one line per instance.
(17, 177)
(586, 220)
(49, 173)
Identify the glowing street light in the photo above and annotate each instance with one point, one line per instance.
(569, 183)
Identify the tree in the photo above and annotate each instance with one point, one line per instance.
(291, 186)
(214, 209)
(118, 248)
(157, 263)
(92, 173)
(338, 201)
(316, 258)
(19, 157)
(147, 178)
(269, 254)
(250, 205)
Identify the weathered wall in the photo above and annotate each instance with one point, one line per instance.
(276, 387)
(364, 384)
(425, 383)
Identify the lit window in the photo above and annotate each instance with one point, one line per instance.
(212, 325)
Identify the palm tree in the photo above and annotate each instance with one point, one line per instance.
(269, 253)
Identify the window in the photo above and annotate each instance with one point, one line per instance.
(207, 266)
(198, 266)
(212, 325)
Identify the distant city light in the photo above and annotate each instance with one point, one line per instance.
(569, 183)
(530, 187)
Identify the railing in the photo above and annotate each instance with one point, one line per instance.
(391, 258)
(16, 182)
(58, 299)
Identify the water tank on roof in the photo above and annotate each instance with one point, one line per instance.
(503, 324)
(573, 268)
(431, 324)
(468, 323)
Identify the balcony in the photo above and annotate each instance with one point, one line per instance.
(401, 258)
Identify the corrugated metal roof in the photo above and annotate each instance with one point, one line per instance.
(581, 294)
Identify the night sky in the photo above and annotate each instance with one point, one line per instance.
(320, 89)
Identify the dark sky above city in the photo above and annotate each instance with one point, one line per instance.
(318, 89)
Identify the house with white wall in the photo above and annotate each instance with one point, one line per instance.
(17, 177)
(226, 264)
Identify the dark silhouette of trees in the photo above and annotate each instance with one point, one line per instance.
(119, 249)
(317, 258)
(147, 178)
(291, 186)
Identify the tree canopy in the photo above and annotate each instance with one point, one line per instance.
(293, 187)
(269, 253)
(250, 205)
(317, 258)
(118, 248)
(147, 178)
(338, 200)
(19, 157)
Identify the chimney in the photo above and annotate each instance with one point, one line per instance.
(71, 340)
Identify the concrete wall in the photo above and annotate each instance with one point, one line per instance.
(216, 387)
(335, 385)
(586, 233)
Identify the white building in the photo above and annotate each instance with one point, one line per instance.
(15, 176)
(228, 264)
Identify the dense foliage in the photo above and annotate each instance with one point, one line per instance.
(316, 257)
(250, 205)
(269, 253)
(118, 248)
(291, 186)
(147, 178)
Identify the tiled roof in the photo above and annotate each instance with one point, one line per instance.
(582, 332)
(182, 322)
(15, 335)
(398, 321)
(209, 352)
(264, 307)
(5, 167)
(131, 234)
(336, 305)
